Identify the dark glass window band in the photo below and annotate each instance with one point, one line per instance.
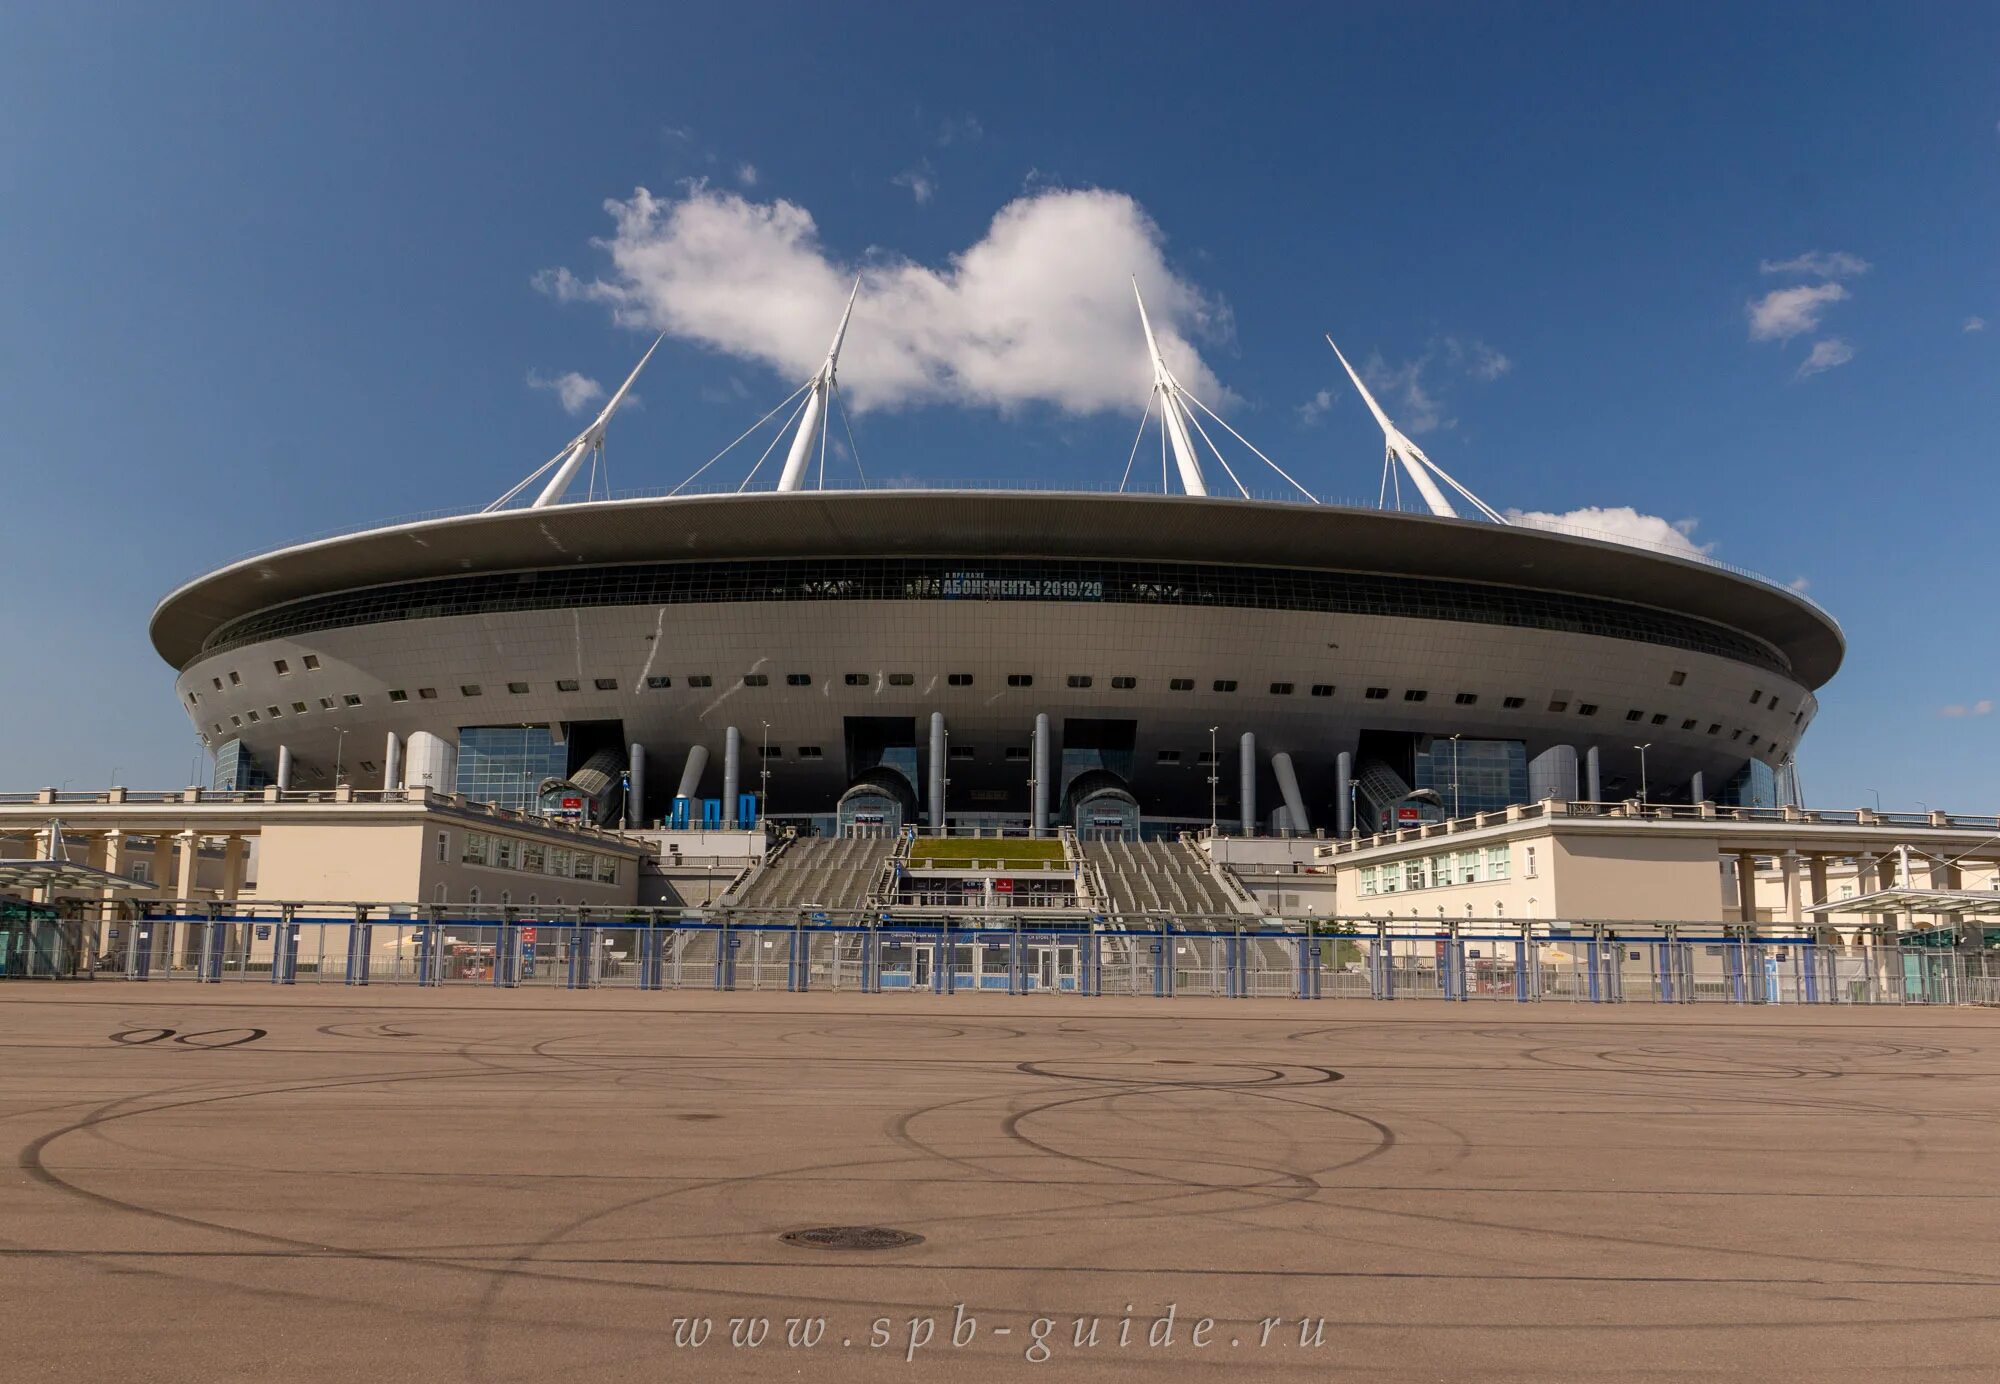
(940, 579)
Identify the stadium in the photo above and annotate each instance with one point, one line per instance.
(1126, 664)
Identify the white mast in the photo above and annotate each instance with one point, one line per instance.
(1173, 413)
(591, 438)
(1423, 472)
(814, 417)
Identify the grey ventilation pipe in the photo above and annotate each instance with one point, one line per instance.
(1288, 786)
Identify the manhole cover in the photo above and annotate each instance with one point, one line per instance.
(851, 1237)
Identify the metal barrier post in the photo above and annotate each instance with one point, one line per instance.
(1015, 984)
(871, 958)
(360, 940)
(1385, 964)
(1593, 960)
(944, 966)
(1308, 959)
(1524, 946)
(285, 948)
(1811, 978)
(208, 962)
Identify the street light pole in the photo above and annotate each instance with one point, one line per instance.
(1454, 776)
(339, 750)
(1642, 767)
(1213, 779)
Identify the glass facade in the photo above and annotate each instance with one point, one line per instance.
(945, 579)
(504, 764)
(236, 770)
(1490, 774)
(1755, 785)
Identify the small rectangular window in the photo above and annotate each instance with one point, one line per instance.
(1170, 756)
(1465, 699)
(960, 754)
(351, 699)
(1281, 689)
(1772, 705)
(1205, 758)
(1124, 684)
(253, 716)
(517, 688)
(1689, 724)
(427, 694)
(299, 707)
(326, 703)
(959, 679)
(1586, 708)
(1020, 679)
(901, 679)
(1736, 734)
(1753, 742)
(1378, 694)
(1513, 703)
(1677, 679)
(469, 689)
(235, 720)
(771, 751)
(217, 682)
(1756, 696)
(443, 846)
(1558, 706)
(284, 668)
(857, 679)
(1635, 715)
(656, 683)
(1659, 718)
(312, 661)
(194, 699)
(605, 684)
(809, 752)
(1017, 754)
(236, 680)
(1415, 694)
(1715, 728)
(694, 680)
(1181, 684)
(798, 679)
(367, 766)
(1322, 689)
(1079, 679)
(1225, 684)
(218, 727)
(273, 712)
(397, 694)
(567, 684)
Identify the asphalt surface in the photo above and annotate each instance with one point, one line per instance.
(233, 1183)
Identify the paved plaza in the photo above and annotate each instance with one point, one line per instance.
(214, 1184)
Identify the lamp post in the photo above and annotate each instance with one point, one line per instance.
(1213, 779)
(1642, 767)
(1454, 775)
(339, 751)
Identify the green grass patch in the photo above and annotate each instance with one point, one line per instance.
(960, 850)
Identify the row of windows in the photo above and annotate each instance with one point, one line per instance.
(935, 579)
(531, 857)
(1487, 865)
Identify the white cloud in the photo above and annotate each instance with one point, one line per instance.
(1983, 707)
(577, 392)
(1799, 584)
(922, 186)
(1974, 324)
(1621, 524)
(746, 174)
(1825, 356)
(1038, 310)
(1411, 392)
(1784, 313)
(962, 130)
(1835, 264)
(1314, 409)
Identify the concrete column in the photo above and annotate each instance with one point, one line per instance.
(937, 771)
(635, 795)
(1247, 772)
(1816, 872)
(432, 763)
(187, 844)
(1945, 875)
(1698, 788)
(1593, 778)
(1040, 820)
(114, 864)
(691, 772)
(284, 767)
(732, 775)
(1794, 910)
(235, 862)
(1288, 787)
(1343, 801)
(392, 763)
(1746, 889)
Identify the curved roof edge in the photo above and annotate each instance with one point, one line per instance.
(1003, 523)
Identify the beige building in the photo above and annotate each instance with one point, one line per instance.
(1634, 863)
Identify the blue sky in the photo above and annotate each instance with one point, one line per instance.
(266, 271)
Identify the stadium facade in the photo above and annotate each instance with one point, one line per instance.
(1121, 663)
